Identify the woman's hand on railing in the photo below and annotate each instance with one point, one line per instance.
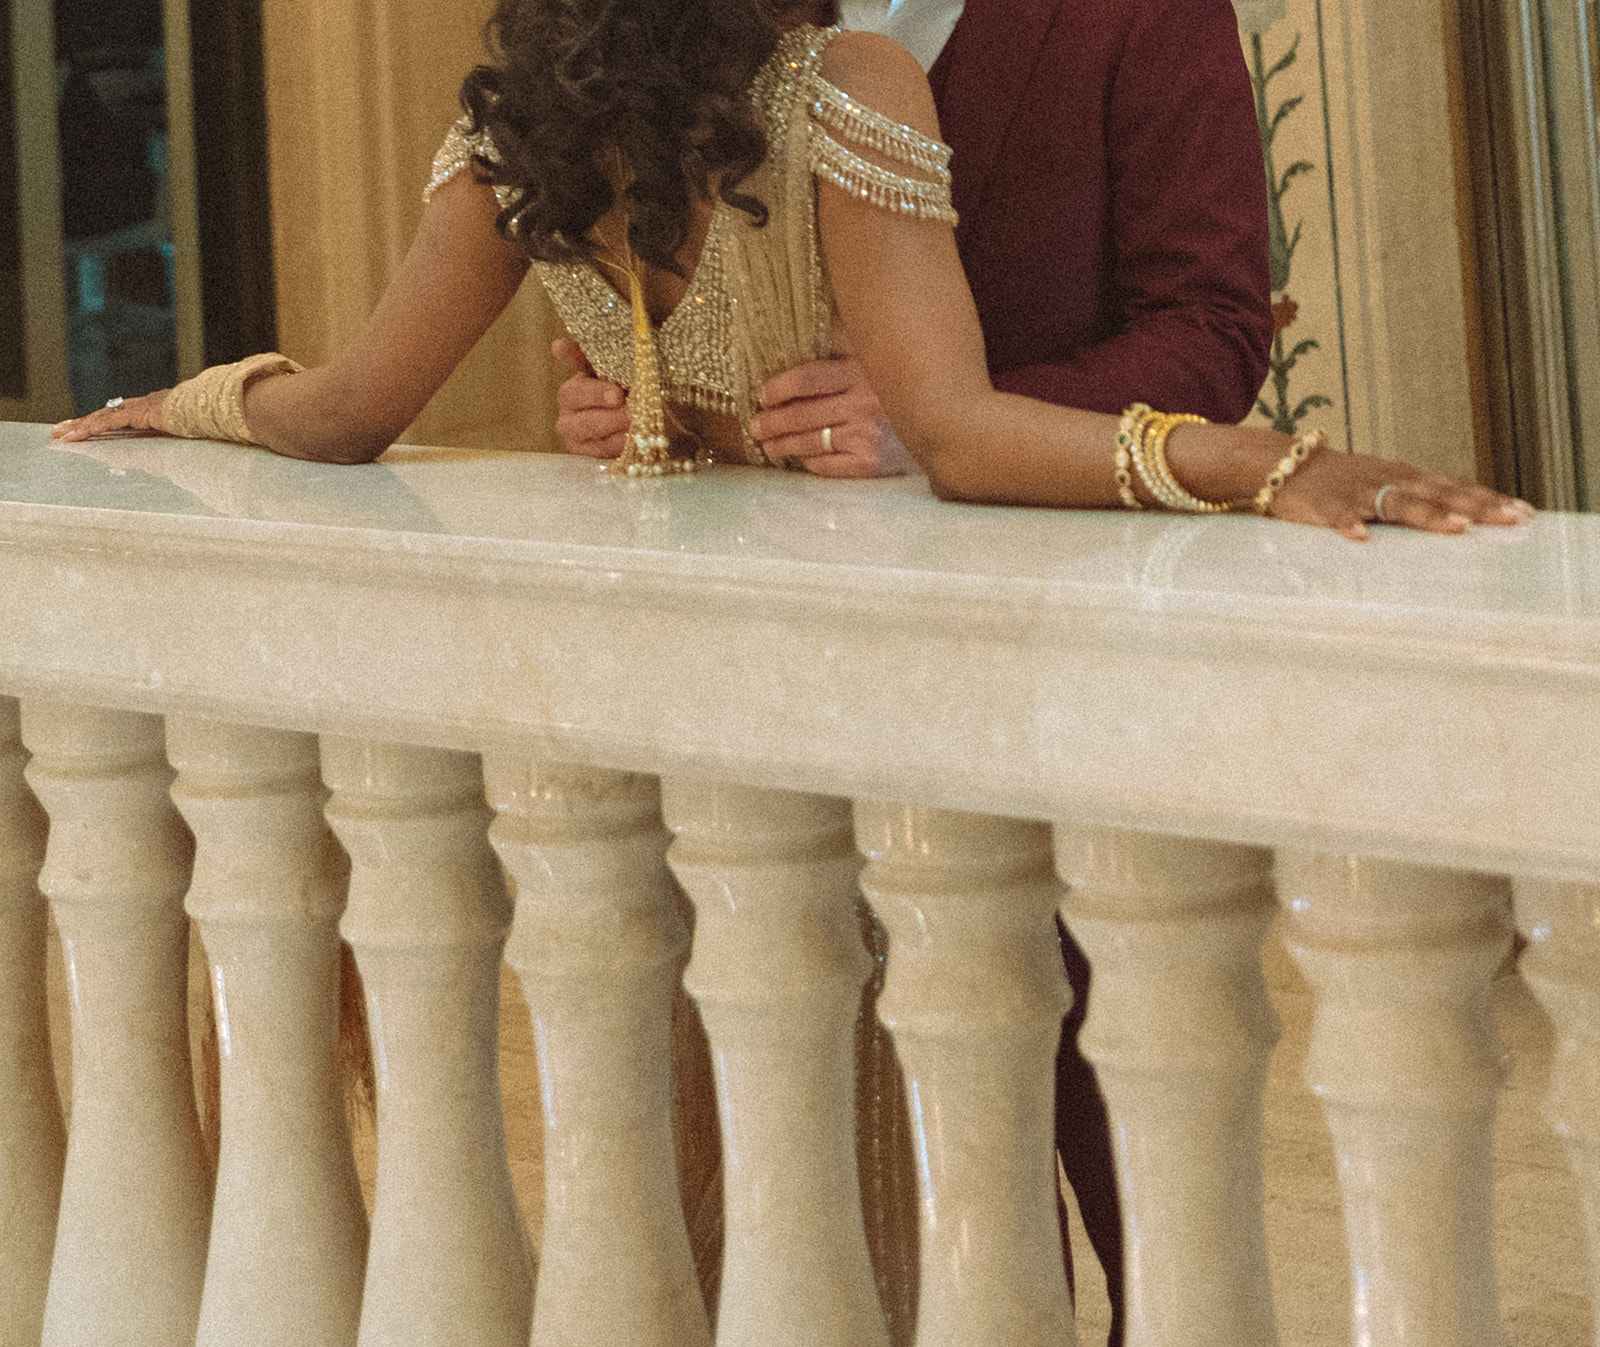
(1344, 492)
(119, 417)
(1349, 491)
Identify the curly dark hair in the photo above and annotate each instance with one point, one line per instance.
(571, 84)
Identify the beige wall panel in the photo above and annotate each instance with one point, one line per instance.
(1377, 277)
(1409, 317)
(359, 94)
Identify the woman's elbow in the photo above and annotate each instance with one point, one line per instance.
(953, 468)
(944, 430)
(346, 449)
(945, 489)
(354, 449)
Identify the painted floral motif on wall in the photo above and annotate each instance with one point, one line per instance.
(1283, 414)
(1285, 76)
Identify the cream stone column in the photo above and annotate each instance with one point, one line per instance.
(1406, 1061)
(136, 1199)
(1180, 1032)
(778, 969)
(975, 994)
(599, 946)
(1562, 965)
(288, 1230)
(32, 1143)
(448, 1262)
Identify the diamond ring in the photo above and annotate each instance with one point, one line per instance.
(114, 404)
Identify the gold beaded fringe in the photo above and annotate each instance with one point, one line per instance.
(647, 452)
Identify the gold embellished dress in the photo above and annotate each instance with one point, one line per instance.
(759, 302)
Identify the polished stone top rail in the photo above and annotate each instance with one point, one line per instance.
(1420, 698)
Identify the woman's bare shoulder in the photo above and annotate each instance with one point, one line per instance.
(882, 75)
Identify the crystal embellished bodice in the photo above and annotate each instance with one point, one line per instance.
(758, 299)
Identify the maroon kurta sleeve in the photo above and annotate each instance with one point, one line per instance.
(1188, 299)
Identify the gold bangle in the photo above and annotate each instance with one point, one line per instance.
(1150, 457)
(1129, 431)
(1300, 449)
(1149, 474)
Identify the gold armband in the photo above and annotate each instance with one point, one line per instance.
(210, 406)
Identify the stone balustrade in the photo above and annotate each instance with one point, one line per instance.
(297, 703)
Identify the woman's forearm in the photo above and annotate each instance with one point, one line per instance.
(455, 280)
(997, 448)
(303, 416)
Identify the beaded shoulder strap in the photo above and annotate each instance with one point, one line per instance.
(836, 117)
(461, 146)
(855, 122)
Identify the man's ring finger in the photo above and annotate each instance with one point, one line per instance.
(1377, 503)
(827, 439)
(115, 403)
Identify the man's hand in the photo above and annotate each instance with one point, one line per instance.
(833, 396)
(592, 413)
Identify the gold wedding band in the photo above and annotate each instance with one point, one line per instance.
(827, 439)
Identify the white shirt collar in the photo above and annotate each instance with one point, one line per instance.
(921, 26)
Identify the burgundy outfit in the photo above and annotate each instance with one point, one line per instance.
(1109, 176)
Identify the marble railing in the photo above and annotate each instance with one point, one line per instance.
(298, 702)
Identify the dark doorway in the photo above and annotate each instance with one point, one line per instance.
(13, 341)
(116, 223)
(230, 137)
(122, 277)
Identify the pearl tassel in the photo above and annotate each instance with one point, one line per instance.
(647, 452)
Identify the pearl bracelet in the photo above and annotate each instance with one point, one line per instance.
(1130, 430)
(1302, 448)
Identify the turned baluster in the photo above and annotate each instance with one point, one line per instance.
(448, 1261)
(136, 1198)
(778, 969)
(1180, 1031)
(1562, 965)
(1406, 1062)
(975, 994)
(599, 946)
(288, 1231)
(32, 1142)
